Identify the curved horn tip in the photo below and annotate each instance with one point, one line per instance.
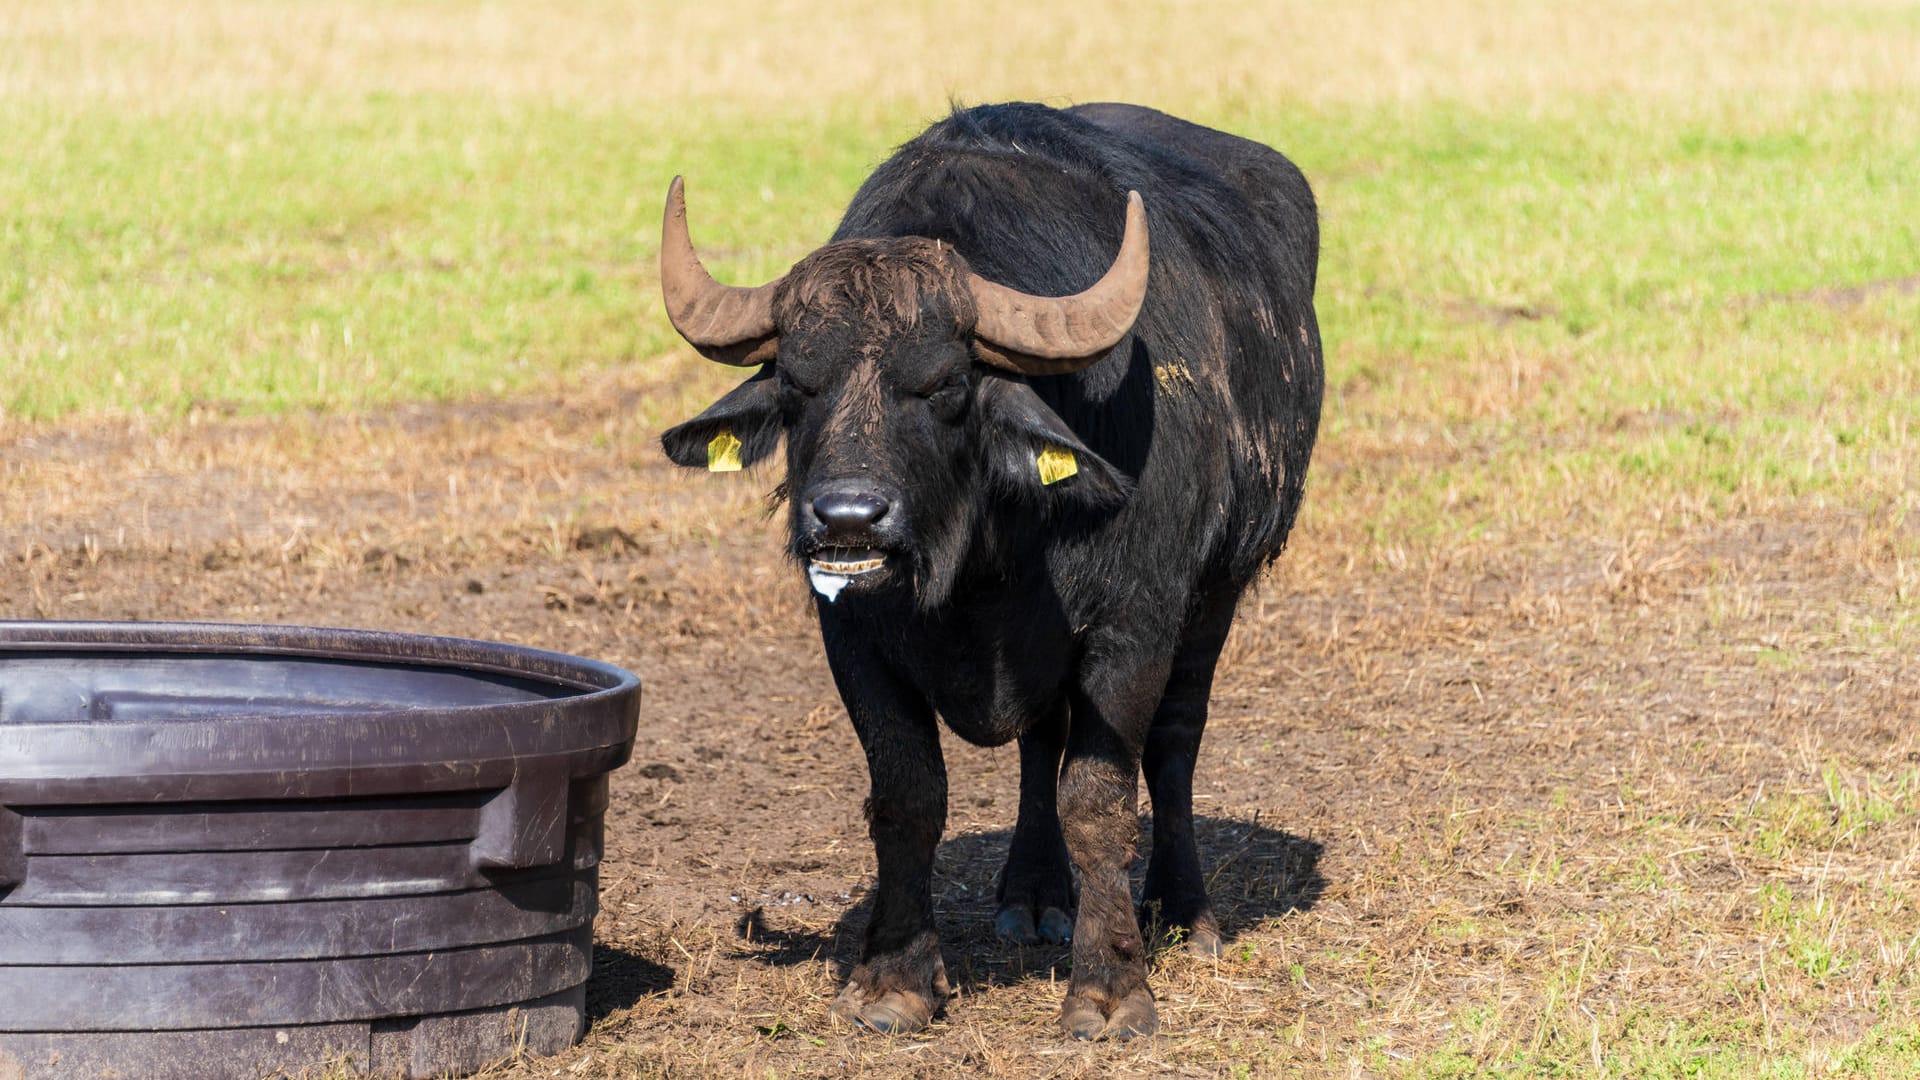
(1041, 335)
(726, 323)
(1136, 218)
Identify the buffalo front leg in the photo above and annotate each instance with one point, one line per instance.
(1108, 997)
(1036, 887)
(1176, 892)
(900, 981)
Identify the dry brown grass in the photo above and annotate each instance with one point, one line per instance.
(790, 55)
(1600, 807)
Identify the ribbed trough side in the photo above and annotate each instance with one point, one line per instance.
(228, 851)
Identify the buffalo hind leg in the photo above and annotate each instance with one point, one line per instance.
(901, 980)
(1108, 997)
(1036, 887)
(1175, 895)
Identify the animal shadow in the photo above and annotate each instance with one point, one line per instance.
(620, 978)
(1254, 874)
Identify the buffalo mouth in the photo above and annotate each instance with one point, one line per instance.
(831, 569)
(847, 561)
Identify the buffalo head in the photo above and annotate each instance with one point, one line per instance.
(899, 377)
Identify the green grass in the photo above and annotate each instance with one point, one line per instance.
(344, 253)
(1605, 299)
(1649, 1045)
(1535, 306)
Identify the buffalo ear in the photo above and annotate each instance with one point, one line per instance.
(749, 413)
(1027, 448)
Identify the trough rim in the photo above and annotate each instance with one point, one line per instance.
(585, 732)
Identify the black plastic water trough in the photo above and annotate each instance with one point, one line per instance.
(231, 850)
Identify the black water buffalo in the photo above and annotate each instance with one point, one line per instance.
(1029, 480)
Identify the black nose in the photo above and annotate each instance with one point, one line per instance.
(849, 509)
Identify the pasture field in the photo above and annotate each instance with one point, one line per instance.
(1577, 734)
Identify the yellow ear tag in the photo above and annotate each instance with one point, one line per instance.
(723, 452)
(1056, 464)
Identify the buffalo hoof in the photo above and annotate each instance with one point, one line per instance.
(1016, 923)
(1090, 1014)
(1198, 933)
(895, 1012)
(1036, 901)
(1203, 939)
(895, 993)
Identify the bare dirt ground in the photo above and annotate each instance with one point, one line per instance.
(1555, 804)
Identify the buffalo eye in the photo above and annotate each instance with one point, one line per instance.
(948, 396)
(791, 390)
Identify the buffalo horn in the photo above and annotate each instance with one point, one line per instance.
(726, 323)
(1053, 335)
